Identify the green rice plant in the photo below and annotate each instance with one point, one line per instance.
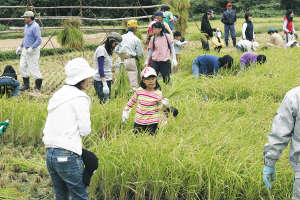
(11, 193)
(71, 36)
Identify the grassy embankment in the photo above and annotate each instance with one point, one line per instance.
(213, 150)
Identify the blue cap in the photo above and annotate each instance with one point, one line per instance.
(163, 7)
(271, 30)
(160, 13)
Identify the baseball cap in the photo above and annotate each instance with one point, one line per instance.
(210, 12)
(160, 13)
(28, 14)
(132, 23)
(115, 36)
(148, 71)
(255, 45)
(77, 70)
(90, 161)
(229, 4)
(163, 7)
(271, 30)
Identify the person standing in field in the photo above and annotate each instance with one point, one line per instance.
(229, 19)
(160, 48)
(276, 40)
(67, 122)
(149, 97)
(248, 29)
(210, 64)
(30, 57)
(168, 16)
(103, 63)
(158, 17)
(178, 45)
(285, 130)
(171, 24)
(206, 28)
(132, 45)
(288, 26)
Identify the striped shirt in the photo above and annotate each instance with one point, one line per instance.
(147, 109)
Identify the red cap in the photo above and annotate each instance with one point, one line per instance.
(229, 4)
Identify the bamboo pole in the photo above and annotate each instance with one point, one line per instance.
(81, 29)
(93, 7)
(66, 17)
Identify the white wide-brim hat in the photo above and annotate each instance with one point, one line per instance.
(77, 70)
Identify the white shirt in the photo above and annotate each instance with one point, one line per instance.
(131, 44)
(68, 119)
(246, 44)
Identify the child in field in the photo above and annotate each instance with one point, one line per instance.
(149, 97)
(165, 116)
(217, 41)
(248, 29)
(251, 58)
(246, 46)
(178, 44)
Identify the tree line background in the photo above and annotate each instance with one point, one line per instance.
(259, 8)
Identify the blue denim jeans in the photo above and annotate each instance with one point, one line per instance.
(99, 90)
(10, 82)
(196, 67)
(66, 170)
(230, 28)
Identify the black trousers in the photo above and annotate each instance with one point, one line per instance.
(205, 45)
(218, 49)
(151, 128)
(164, 68)
(98, 85)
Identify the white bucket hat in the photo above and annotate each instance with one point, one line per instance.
(77, 70)
(255, 45)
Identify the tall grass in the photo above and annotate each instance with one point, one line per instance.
(212, 150)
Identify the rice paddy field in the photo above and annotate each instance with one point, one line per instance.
(212, 150)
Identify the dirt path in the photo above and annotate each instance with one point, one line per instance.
(12, 44)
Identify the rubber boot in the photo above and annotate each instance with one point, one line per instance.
(226, 43)
(38, 85)
(234, 43)
(26, 84)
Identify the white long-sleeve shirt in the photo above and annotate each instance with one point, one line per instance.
(244, 31)
(68, 119)
(284, 27)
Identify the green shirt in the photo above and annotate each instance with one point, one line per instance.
(168, 15)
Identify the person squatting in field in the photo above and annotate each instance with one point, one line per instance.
(132, 45)
(149, 97)
(68, 120)
(9, 78)
(251, 59)
(288, 27)
(160, 48)
(217, 41)
(285, 129)
(248, 29)
(276, 40)
(246, 46)
(30, 56)
(210, 64)
(206, 28)
(103, 63)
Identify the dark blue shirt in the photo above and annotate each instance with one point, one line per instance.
(209, 64)
(229, 18)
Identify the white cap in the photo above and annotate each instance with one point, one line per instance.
(28, 14)
(77, 70)
(218, 34)
(255, 45)
(148, 71)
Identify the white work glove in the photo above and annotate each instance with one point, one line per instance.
(29, 50)
(146, 64)
(118, 65)
(105, 88)
(125, 115)
(174, 63)
(185, 42)
(165, 101)
(18, 51)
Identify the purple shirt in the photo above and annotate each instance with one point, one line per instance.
(248, 58)
(32, 34)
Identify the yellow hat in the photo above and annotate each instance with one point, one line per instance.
(132, 23)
